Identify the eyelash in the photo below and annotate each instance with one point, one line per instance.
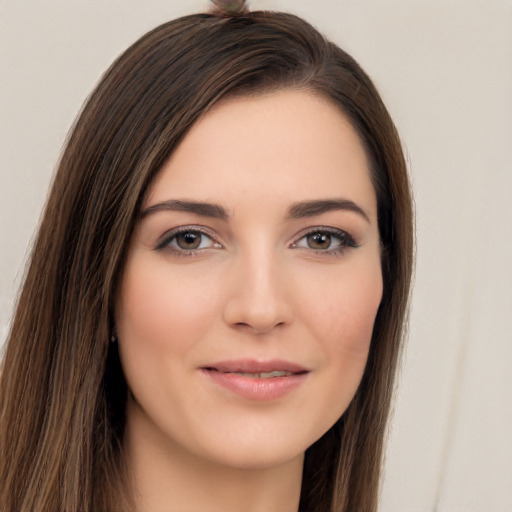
(165, 242)
(346, 241)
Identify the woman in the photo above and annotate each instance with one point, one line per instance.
(214, 307)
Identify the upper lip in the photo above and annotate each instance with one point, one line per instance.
(255, 366)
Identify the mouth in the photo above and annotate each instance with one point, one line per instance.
(257, 380)
(254, 369)
(259, 375)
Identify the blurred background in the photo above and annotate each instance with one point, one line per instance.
(444, 69)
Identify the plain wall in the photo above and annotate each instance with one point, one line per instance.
(444, 68)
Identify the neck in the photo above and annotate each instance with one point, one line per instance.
(168, 478)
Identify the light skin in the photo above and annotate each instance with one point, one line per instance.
(258, 242)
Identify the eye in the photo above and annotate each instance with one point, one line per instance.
(326, 240)
(190, 240)
(186, 241)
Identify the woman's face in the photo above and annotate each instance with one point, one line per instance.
(248, 299)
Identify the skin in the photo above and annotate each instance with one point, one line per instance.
(258, 286)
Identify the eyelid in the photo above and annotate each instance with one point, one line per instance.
(164, 241)
(346, 239)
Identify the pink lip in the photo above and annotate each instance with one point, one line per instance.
(228, 375)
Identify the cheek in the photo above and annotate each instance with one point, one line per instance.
(162, 310)
(340, 315)
(343, 315)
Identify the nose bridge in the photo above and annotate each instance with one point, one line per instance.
(258, 297)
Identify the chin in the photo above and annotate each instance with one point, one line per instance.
(258, 456)
(257, 446)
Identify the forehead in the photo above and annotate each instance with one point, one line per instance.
(286, 146)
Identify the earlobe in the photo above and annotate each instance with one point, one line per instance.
(113, 333)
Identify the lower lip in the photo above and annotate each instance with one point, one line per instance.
(254, 388)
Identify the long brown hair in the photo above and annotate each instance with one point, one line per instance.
(62, 391)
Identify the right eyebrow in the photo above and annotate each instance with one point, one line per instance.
(317, 207)
(203, 209)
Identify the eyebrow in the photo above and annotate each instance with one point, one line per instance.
(203, 209)
(317, 207)
(296, 211)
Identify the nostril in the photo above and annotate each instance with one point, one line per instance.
(259, 308)
(258, 328)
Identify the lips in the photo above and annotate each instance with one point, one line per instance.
(253, 366)
(257, 380)
(264, 375)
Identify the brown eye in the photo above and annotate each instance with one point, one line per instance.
(326, 240)
(188, 240)
(319, 241)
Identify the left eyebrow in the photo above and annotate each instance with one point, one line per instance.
(317, 207)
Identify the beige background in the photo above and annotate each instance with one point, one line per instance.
(445, 70)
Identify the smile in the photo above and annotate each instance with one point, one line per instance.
(264, 375)
(258, 381)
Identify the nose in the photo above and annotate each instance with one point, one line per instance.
(259, 299)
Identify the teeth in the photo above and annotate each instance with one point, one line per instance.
(266, 375)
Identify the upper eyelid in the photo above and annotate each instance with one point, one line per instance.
(171, 233)
(322, 229)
